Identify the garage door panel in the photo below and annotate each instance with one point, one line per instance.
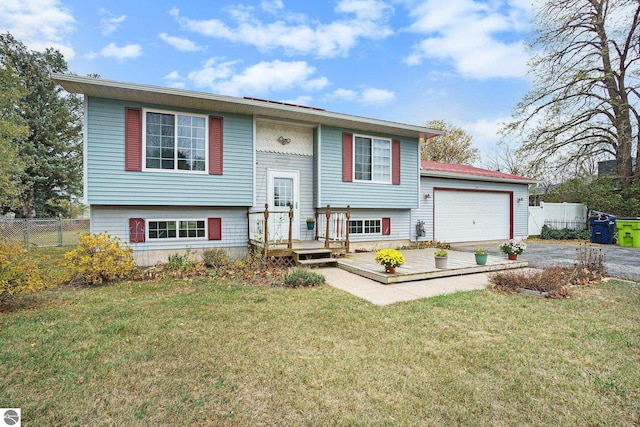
(462, 216)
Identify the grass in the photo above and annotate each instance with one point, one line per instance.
(212, 352)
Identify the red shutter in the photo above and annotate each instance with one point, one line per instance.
(386, 226)
(133, 139)
(215, 228)
(216, 136)
(347, 157)
(395, 162)
(137, 233)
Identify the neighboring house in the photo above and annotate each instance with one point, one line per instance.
(169, 169)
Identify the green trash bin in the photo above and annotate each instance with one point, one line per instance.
(629, 231)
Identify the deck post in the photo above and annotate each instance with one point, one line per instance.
(348, 227)
(266, 230)
(326, 236)
(317, 224)
(290, 244)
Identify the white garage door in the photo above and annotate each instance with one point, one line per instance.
(467, 216)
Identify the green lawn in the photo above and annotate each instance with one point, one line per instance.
(206, 352)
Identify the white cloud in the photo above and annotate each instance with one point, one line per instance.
(110, 22)
(39, 24)
(182, 44)
(272, 6)
(485, 132)
(332, 39)
(472, 35)
(368, 96)
(264, 77)
(129, 51)
(301, 100)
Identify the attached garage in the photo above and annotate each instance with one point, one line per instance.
(460, 203)
(462, 216)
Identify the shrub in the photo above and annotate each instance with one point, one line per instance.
(548, 233)
(301, 277)
(99, 259)
(178, 262)
(18, 274)
(215, 258)
(554, 280)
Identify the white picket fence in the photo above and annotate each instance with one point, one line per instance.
(557, 216)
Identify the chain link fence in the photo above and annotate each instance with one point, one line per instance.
(43, 232)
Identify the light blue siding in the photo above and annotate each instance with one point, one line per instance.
(400, 223)
(364, 194)
(109, 184)
(425, 212)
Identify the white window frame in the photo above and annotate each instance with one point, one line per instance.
(353, 156)
(175, 142)
(363, 226)
(177, 221)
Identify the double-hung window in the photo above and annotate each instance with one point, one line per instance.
(372, 159)
(365, 226)
(175, 141)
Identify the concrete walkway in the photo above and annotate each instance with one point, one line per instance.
(380, 294)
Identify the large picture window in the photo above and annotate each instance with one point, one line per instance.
(372, 159)
(175, 141)
(173, 229)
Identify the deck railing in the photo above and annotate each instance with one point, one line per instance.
(270, 227)
(332, 226)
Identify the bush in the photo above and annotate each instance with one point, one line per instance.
(301, 277)
(18, 274)
(554, 280)
(182, 263)
(215, 258)
(99, 259)
(549, 233)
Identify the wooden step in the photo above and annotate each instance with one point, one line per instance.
(317, 262)
(312, 251)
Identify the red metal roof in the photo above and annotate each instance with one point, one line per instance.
(449, 168)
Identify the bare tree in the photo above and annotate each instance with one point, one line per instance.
(504, 158)
(586, 84)
(453, 146)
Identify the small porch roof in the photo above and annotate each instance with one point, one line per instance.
(134, 92)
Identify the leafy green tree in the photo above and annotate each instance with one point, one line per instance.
(11, 131)
(51, 152)
(453, 146)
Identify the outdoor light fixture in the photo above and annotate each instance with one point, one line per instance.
(284, 140)
(427, 195)
(521, 199)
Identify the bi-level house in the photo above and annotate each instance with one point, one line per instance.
(168, 169)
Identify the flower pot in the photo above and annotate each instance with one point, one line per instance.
(390, 270)
(311, 225)
(481, 259)
(441, 261)
(512, 257)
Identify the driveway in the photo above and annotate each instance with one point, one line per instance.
(620, 261)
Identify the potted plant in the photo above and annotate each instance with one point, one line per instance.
(311, 223)
(390, 258)
(481, 256)
(513, 248)
(441, 256)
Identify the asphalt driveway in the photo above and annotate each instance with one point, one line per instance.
(620, 261)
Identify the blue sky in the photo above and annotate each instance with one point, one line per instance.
(409, 61)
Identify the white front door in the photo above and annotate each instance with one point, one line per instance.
(284, 190)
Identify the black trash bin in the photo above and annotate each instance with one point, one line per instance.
(602, 228)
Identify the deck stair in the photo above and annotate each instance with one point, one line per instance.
(314, 258)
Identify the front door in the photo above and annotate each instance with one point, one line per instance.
(284, 190)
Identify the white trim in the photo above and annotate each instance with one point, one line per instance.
(363, 220)
(175, 142)
(353, 159)
(255, 159)
(85, 154)
(178, 238)
(319, 167)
